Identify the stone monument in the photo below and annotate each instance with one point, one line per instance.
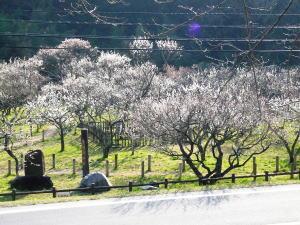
(34, 168)
(34, 164)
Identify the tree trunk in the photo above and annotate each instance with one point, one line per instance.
(219, 164)
(62, 139)
(291, 157)
(193, 167)
(12, 155)
(189, 161)
(202, 155)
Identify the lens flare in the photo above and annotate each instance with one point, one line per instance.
(194, 29)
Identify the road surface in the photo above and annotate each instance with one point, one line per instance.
(277, 205)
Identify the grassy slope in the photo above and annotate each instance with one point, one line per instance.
(129, 169)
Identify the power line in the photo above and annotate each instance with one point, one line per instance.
(128, 38)
(156, 49)
(140, 24)
(158, 13)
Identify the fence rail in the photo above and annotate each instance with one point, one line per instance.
(201, 181)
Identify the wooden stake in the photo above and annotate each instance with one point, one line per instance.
(254, 172)
(149, 163)
(106, 168)
(266, 176)
(73, 166)
(142, 169)
(277, 164)
(253, 164)
(116, 161)
(183, 165)
(85, 152)
(53, 161)
(43, 135)
(180, 171)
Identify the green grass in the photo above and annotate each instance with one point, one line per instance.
(128, 170)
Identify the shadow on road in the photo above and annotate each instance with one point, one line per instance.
(153, 204)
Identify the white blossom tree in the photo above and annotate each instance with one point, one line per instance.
(110, 64)
(92, 93)
(197, 123)
(50, 106)
(284, 111)
(286, 125)
(141, 49)
(57, 63)
(19, 83)
(170, 50)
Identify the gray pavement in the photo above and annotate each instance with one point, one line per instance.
(277, 205)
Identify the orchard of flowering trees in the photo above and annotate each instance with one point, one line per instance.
(216, 118)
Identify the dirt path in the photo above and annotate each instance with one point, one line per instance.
(50, 132)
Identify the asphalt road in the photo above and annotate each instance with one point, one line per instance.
(278, 205)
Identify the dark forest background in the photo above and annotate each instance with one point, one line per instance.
(44, 15)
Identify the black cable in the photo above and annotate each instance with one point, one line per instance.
(140, 24)
(39, 35)
(156, 13)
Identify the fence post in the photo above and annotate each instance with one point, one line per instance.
(200, 181)
(183, 164)
(93, 188)
(107, 168)
(8, 168)
(179, 171)
(149, 163)
(85, 152)
(116, 161)
(233, 178)
(54, 192)
(130, 186)
(142, 169)
(166, 183)
(266, 176)
(43, 135)
(254, 172)
(253, 164)
(277, 164)
(53, 161)
(13, 194)
(74, 166)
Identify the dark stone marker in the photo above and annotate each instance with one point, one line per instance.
(34, 168)
(34, 164)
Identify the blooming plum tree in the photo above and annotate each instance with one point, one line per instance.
(170, 50)
(284, 112)
(19, 83)
(141, 48)
(205, 125)
(50, 106)
(57, 63)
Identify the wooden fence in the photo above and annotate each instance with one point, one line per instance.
(201, 181)
(114, 135)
